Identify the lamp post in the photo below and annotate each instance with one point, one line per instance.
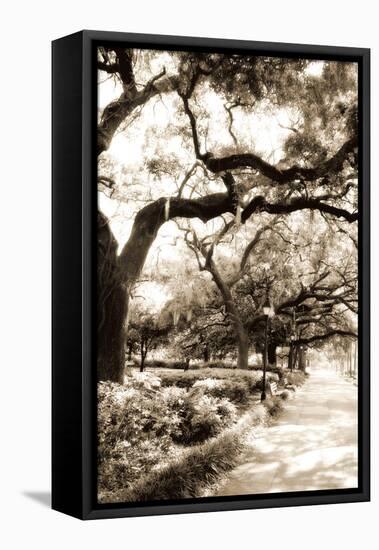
(292, 338)
(267, 312)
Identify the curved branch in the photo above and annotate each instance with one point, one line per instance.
(115, 112)
(151, 217)
(332, 165)
(148, 221)
(300, 203)
(192, 120)
(228, 109)
(125, 69)
(326, 336)
(110, 68)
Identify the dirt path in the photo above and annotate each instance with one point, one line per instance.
(312, 446)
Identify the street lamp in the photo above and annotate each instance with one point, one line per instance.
(267, 312)
(293, 336)
(266, 307)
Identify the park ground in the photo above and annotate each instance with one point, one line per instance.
(169, 433)
(312, 446)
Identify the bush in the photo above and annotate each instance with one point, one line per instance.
(173, 396)
(295, 378)
(252, 379)
(285, 395)
(135, 429)
(274, 406)
(197, 469)
(162, 364)
(270, 378)
(201, 417)
(156, 364)
(270, 368)
(189, 378)
(180, 379)
(237, 391)
(218, 364)
(184, 478)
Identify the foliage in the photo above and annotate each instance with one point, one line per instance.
(166, 364)
(189, 378)
(202, 416)
(237, 391)
(295, 378)
(273, 369)
(147, 331)
(185, 477)
(220, 364)
(138, 423)
(274, 406)
(135, 429)
(285, 394)
(197, 468)
(201, 163)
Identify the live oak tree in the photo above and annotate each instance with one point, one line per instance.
(305, 277)
(313, 289)
(204, 250)
(219, 176)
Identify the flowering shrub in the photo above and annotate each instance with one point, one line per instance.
(238, 391)
(274, 405)
(143, 380)
(174, 397)
(208, 384)
(202, 416)
(285, 395)
(135, 428)
(180, 379)
(189, 378)
(138, 423)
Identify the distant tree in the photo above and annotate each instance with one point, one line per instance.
(132, 342)
(147, 333)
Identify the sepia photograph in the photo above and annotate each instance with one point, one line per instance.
(227, 274)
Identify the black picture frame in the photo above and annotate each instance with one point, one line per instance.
(73, 271)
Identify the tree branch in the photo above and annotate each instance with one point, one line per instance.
(110, 68)
(299, 203)
(116, 111)
(326, 336)
(332, 165)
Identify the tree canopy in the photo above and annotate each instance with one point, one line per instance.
(224, 180)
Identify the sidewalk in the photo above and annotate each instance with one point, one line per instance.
(312, 446)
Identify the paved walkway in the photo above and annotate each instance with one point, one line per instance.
(312, 446)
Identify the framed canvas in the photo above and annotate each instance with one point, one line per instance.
(210, 275)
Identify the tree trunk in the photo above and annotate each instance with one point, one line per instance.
(206, 354)
(290, 358)
(243, 349)
(242, 337)
(130, 349)
(112, 307)
(143, 357)
(111, 337)
(271, 352)
(302, 357)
